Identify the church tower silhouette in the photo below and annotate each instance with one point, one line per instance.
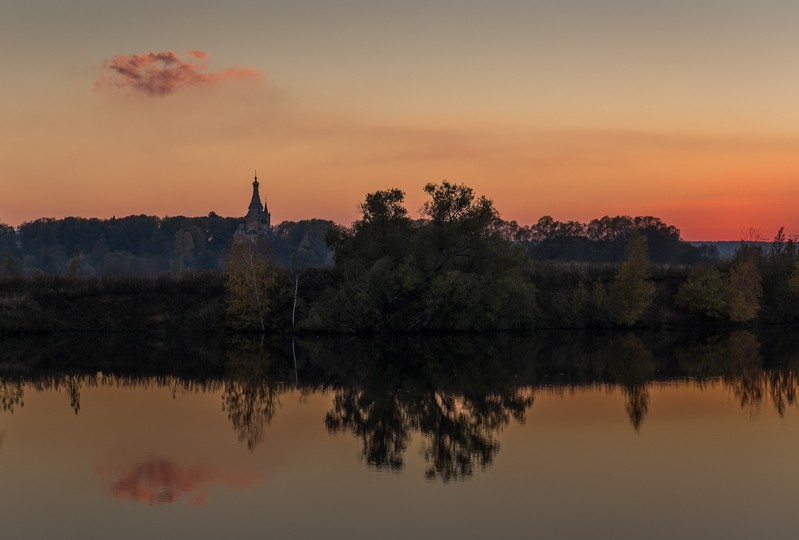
(258, 222)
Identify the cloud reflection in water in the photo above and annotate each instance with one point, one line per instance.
(157, 481)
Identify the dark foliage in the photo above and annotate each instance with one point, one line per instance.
(459, 267)
(189, 303)
(603, 240)
(451, 270)
(136, 246)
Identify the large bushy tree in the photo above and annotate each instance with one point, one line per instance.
(454, 269)
(746, 287)
(704, 293)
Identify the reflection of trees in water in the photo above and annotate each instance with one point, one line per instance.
(73, 391)
(459, 432)
(380, 421)
(457, 394)
(12, 391)
(250, 395)
(631, 365)
(455, 438)
(636, 404)
(71, 384)
(745, 375)
(12, 394)
(783, 389)
(750, 383)
(737, 360)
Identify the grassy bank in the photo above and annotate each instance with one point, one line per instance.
(188, 303)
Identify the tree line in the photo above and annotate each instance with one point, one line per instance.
(604, 240)
(457, 266)
(460, 267)
(148, 245)
(145, 245)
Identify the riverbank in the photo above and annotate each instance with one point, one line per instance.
(190, 303)
(557, 296)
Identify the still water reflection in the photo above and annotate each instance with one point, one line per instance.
(544, 428)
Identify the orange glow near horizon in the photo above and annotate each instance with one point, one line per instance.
(699, 213)
(710, 189)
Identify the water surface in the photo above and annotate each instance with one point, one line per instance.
(555, 436)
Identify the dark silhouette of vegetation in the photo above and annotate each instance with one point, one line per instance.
(10, 266)
(138, 246)
(604, 240)
(631, 292)
(456, 267)
(746, 287)
(248, 280)
(451, 270)
(705, 293)
(186, 303)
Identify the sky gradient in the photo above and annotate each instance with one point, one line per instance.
(575, 109)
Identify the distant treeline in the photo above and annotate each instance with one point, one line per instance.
(603, 240)
(726, 249)
(145, 245)
(148, 245)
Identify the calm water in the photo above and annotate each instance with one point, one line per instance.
(557, 436)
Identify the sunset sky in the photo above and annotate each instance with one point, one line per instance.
(686, 110)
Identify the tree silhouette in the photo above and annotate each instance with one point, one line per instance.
(746, 288)
(705, 293)
(248, 280)
(631, 292)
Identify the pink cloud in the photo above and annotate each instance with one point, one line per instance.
(162, 73)
(198, 54)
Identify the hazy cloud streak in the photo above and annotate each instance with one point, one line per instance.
(196, 53)
(163, 73)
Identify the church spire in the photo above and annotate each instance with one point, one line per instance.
(255, 208)
(257, 223)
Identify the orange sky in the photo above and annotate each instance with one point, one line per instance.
(685, 110)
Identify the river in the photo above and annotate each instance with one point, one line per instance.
(559, 435)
